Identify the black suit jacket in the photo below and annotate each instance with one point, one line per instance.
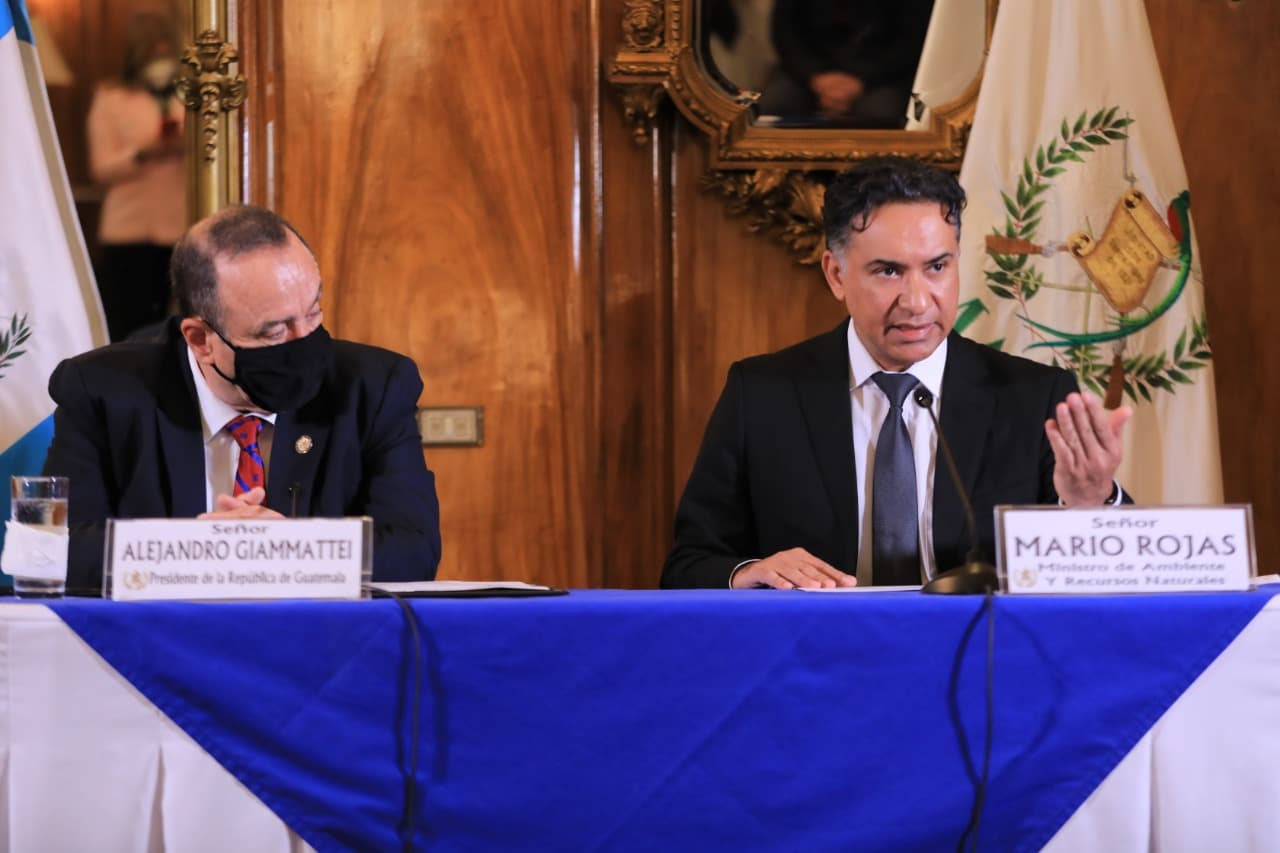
(776, 468)
(127, 432)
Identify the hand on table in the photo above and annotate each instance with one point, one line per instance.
(795, 568)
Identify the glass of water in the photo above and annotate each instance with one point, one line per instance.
(35, 548)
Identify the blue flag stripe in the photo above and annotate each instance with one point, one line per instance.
(13, 14)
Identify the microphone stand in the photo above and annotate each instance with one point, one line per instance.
(975, 575)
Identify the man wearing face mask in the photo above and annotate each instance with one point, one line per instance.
(247, 409)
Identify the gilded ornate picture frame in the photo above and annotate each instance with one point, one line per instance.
(763, 172)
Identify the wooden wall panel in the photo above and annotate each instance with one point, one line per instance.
(635, 341)
(1222, 74)
(437, 156)
(735, 295)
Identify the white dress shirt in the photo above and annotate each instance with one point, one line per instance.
(870, 407)
(221, 452)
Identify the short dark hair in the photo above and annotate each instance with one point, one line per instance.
(858, 192)
(231, 231)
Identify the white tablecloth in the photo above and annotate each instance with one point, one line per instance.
(88, 764)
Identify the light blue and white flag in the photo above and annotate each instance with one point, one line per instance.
(49, 307)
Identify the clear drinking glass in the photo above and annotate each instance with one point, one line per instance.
(35, 551)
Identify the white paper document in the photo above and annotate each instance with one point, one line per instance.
(863, 589)
(444, 587)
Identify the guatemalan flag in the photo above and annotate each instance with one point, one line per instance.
(49, 306)
(1078, 246)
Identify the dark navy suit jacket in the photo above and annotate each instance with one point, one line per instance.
(776, 467)
(127, 432)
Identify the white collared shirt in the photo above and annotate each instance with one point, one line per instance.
(221, 452)
(870, 406)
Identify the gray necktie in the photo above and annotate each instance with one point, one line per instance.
(895, 522)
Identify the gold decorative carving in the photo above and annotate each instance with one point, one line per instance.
(783, 203)
(764, 172)
(640, 69)
(642, 24)
(207, 88)
(640, 103)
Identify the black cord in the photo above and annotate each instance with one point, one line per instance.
(980, 796)
(410, 793)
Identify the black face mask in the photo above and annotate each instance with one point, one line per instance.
(281, 377)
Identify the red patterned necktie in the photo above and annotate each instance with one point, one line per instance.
(250, 472)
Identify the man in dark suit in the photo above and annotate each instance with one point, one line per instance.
(819, 466)
(246, 387)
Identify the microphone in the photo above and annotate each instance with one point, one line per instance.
(975, 576)
(294, 490)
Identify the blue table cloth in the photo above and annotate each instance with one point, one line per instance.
(668, 720)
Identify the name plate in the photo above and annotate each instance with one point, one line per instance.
(161, 559)
(1125, 549)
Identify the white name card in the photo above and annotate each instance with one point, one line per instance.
(185, 559)
(1125, 549)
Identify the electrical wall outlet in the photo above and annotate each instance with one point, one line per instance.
(451, 427)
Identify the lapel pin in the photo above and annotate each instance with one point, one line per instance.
(303, 444)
